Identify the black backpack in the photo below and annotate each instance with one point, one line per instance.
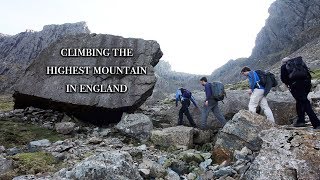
(266, 78)
(297, 69)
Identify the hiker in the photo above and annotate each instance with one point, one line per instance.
(185, 96)
(257, 93)
(296, 75)
(210, 104)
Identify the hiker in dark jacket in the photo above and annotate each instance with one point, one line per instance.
(300, 89)
(210, 104)
(185, 96)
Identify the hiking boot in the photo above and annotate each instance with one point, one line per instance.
(299, 125)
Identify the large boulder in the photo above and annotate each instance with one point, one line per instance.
(282, 104)
(242, 131)
(37, 89)
(287, 154)
(106, 165)
(173, 136)
(136, 125)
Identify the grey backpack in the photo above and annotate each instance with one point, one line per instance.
(218, 92)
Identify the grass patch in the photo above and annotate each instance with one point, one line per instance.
(242, 85)
(316, 74)
(33, 163)
(14, 134)
(6, 102)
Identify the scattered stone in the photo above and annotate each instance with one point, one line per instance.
(2, 149)
(225, 171)
(25, 177)
(136, 125)
(192, 176)
(13, 151)
(201, 136)
(156, 170)
(65, 127)
(145, 173)
(95, 140)
(177, 136)
(171, 175)
(36, 145)
(6, 165)
(204, 165)
(106, 165)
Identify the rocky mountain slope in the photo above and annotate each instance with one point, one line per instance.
(291, 25)
(18, 51)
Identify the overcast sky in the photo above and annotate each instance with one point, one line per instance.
(195, 36)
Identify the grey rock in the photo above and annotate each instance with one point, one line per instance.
(65, 127)
(204, 165)
(243, 130)
(17, 52)
(36, 145)
(6, 165)
(173, 136)
(293, 152)
(171, 175)
(225, 171)
(192, 176)
(106, 165)
(156, 170)
(136, 125)
(94, 107)
(2, 149)
(13, 151)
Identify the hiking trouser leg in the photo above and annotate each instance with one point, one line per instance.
(189, 117)
(180, 121)
(266, 109)
(298, 94)
(312, 116)
(204, 116)
(217, 113)
(255, 99)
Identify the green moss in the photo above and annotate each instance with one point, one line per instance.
(316, 74)
(18, 133)
(6, 102)
(33, 163)
(242, 85)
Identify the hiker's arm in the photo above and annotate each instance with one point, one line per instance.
(251, 81)
(177, 97)
(208, 91)
(284, 75)
(193, 101)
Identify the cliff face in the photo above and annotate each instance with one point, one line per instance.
(291, 29)
(18, 51)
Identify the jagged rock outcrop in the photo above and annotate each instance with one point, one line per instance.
(18, 51)
(37, 89)
(289, 21)
(287, 154)
(292, 25)
(242, 131)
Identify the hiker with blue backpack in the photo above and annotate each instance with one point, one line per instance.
(260, 84)
(214, 93)
(185, 96)
(296, 75)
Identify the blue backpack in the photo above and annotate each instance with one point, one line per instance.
(186, 93)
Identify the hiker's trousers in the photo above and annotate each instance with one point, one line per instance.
(214, 107)
(257, 98)
(185, 110)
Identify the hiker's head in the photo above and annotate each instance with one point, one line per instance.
(203, 81)
(245, 71)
